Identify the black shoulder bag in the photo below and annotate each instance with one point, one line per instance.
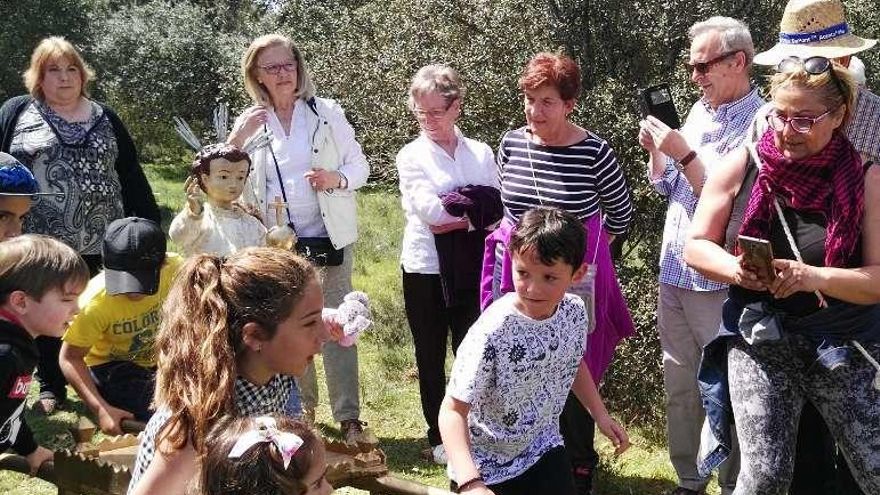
(318, 250)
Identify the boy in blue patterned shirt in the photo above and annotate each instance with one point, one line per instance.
(514, 369)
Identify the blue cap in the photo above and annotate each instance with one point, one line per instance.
(15, 178)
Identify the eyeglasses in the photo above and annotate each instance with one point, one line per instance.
(704, 67)
(276, 69)
(802, 125)
(432, 114)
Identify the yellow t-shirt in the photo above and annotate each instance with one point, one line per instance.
(116, 328)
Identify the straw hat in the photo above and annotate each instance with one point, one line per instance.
(811, 28)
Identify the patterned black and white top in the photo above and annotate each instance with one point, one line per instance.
(516, 372)
(250, 399)
(76, 160)
(582, 179)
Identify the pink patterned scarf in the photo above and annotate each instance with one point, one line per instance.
(831, 182)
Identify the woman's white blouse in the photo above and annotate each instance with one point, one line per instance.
(294, 155)
(425, 171)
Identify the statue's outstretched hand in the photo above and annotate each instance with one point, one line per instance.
(195, 197)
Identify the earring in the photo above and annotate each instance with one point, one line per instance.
(259, 348)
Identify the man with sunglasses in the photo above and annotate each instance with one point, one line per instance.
(813, 34)
(689, 307)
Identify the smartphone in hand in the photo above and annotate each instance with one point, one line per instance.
(657, 101)
(758, 257)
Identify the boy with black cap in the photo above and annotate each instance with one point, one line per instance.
(17, 188)
(107, 353)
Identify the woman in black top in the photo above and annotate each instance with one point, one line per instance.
(809, 330)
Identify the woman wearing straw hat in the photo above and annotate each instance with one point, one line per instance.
(818, 28)
(809, 331)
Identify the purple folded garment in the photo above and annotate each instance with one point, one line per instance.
(481, 204)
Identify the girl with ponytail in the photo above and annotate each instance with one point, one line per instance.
(234, 333)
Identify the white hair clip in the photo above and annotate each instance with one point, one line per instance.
(267, 432)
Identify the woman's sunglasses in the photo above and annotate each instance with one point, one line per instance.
(812, 65)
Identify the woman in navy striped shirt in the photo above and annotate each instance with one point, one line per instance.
(554, 162)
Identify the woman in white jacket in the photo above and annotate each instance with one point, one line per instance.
(439, 161)
(315, 164)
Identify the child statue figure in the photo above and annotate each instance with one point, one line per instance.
(211, 221)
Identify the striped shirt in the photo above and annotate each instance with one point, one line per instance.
(713, 134)
(583, 179)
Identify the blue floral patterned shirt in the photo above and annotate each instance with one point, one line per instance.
(516, 372)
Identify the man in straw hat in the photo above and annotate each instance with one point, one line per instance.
(689, 305)
(818, 28)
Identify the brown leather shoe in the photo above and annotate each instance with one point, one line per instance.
(352, 431)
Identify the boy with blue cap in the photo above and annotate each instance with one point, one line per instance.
(17, 188)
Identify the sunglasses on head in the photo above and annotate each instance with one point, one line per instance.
(704, 67)
(811, 65)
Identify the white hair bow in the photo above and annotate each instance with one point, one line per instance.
(286, 443)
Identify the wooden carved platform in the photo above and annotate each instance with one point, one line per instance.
(104, 468)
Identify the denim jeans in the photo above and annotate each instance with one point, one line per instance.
(127, 386)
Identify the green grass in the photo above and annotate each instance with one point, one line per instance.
(389, 390)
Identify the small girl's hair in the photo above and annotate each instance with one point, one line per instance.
(36, 264)
(200, 335)
(202, 163)
(260, 469)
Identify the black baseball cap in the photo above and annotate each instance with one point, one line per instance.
(134, 250)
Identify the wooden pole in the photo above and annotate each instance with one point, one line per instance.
(12, 462)
(389, 485)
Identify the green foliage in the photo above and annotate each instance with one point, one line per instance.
(26, 23)
(163, 59)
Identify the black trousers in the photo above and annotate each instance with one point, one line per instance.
(550, 475)
(431, 323)
(49, 375)
(818, 469)
(578, 428)
(127, 386)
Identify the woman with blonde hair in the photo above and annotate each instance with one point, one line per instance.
(315, 165)
(803, 327)
(80, 150)
(234, 332)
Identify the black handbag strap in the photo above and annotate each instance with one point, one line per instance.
(313, 106)
(280, 183)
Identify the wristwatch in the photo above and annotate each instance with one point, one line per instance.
(684, 162)
(343, 180)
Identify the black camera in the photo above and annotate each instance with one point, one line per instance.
(657, 101)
